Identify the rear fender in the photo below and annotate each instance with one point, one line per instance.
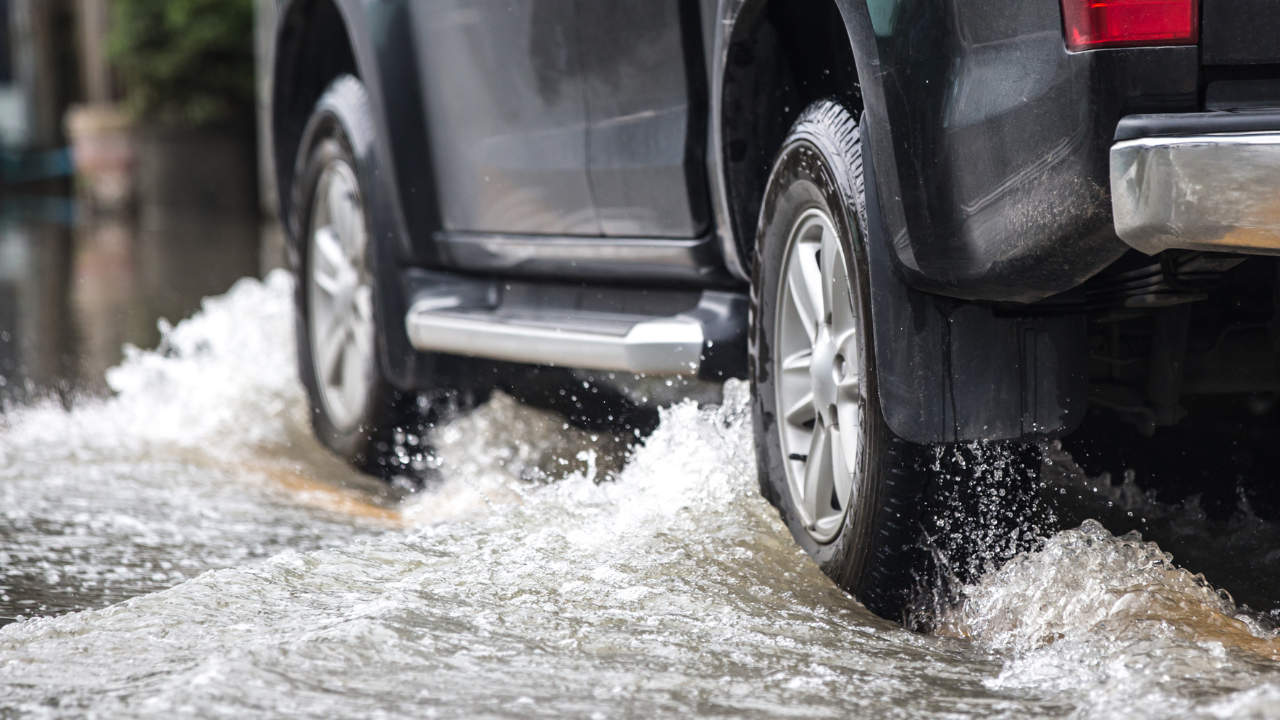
(951, 370)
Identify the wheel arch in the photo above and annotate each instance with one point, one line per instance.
(768, 66)
(316, 42)
(312, 48)
(1024, 379)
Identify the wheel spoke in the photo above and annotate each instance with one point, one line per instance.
(798, 362)
(338, 318)
(362, 304)
(345, 206)
(849, 381)
(840, 468)
(353, 240)
(353, 370)
(832, 269)
(817, 473)
(329, 285)
(331, 353)
(329, 249)
(848, 446)
(849, 391)
(363, 343)
(806, 308)
(362, 321)
(815, 281)
(339, 206)
(843, 320)
(802, 411)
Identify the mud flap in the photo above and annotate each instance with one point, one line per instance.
(951, 370)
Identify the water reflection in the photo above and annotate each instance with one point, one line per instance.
(37, 341)
(77, 287)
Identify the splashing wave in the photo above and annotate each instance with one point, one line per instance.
(552, 572)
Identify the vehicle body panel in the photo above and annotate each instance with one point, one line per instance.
(1240, 32)
(991, 140)
(598, 129)
(565, 117)
(504, 96)
(645, 95)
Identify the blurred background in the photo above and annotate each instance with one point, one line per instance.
(130, 177)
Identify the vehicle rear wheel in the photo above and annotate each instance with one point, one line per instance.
(354, 409)
(846, 486)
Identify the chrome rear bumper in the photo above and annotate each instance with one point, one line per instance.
(1217, 192)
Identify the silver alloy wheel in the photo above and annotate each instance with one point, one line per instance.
(818, 367)
(340, 295)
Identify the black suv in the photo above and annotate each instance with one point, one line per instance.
(908, 223)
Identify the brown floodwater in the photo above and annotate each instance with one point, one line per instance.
(174, 543)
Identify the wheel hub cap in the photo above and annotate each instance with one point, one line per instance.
(818, 371)
(340, 294)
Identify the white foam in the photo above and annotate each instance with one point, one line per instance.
(224, 378)
(1115, 628)
(551, 570)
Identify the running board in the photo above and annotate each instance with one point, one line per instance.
(545, 325)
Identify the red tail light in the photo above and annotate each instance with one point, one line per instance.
(1091, 24)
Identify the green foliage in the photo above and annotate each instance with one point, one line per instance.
(188, 61)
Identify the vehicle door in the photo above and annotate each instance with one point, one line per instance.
(645, 92)
(504, 94)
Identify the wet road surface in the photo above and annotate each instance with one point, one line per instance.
(174, 543)
(183, 548)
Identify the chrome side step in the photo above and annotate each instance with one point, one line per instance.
(678, 344)
(661, 346)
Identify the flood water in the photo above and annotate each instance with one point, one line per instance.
(180, 546)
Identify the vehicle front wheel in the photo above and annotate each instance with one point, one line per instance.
(354, 410)
(846, 486)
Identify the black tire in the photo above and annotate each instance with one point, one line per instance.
(874, 554)
(341, 129)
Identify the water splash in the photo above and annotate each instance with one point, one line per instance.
(202, 459)
(222, 380)
(551, 572)
(1238, 551)
(499, 452)
(1112, 626)
(671, 590)
(984, 505)
(1087, 581)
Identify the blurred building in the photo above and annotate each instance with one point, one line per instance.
(38, 79)
(273, 250)
(157, 216)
